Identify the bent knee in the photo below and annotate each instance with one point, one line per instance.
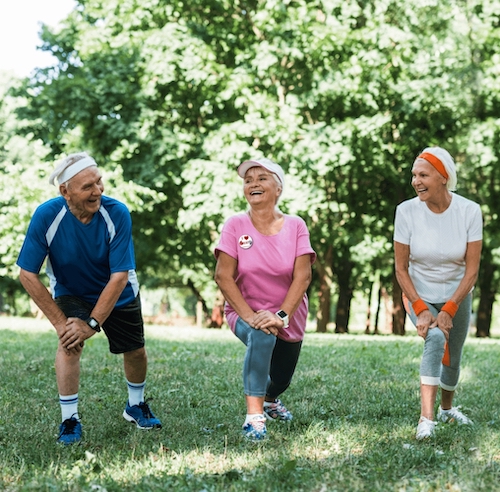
(262, 338)
(435, 335)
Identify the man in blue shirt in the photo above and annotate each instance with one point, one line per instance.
(87, 240)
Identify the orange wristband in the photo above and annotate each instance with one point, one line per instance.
(451, 308)
(419, 306)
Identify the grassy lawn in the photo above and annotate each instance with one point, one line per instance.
(354, 398)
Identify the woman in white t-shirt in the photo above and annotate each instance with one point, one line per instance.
(437, 248)
(263, 269)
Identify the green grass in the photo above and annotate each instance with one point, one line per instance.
(354, 398)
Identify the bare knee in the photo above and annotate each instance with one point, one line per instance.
(135, 356)
(68, 356)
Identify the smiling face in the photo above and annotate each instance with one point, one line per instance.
(427, 181)
(260, 187)
(83, 193)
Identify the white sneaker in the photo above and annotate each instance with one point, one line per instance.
(425, 428)
(453, 415)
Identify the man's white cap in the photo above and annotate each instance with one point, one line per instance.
(266, 164)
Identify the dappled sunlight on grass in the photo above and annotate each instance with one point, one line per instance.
(355, 400)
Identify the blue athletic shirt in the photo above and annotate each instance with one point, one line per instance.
(81, 257)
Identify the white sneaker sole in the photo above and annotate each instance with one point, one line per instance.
(131, 419)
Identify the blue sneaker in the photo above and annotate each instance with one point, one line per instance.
(142, 416)
(70, 431)
(255, 430)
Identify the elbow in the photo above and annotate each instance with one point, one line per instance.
(120, 279)
(25, 277)
(305, 280)
(308, 280)
(399, 272)
(218, 278)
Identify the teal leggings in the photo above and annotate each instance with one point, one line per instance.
(269, 361)
(432, 369)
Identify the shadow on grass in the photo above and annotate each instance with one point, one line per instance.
(355, 402)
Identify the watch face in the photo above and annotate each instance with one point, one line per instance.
(93, 323)
(281, 314)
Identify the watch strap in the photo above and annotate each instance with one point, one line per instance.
(284, 317)
(94, 324)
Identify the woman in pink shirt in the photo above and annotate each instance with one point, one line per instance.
(263, 269)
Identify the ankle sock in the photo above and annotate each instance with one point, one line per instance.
(69, 406)
(135, 393)
(253, 416)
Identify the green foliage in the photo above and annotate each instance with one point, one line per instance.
(353, 430)
(172, 95)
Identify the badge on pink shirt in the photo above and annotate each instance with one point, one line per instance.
(245, 241)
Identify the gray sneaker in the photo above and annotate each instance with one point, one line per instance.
(453, 415)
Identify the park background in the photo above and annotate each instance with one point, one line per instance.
(169, 97)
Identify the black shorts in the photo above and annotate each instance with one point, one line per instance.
(124, 327)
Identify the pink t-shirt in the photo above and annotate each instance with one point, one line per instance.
(265, 267)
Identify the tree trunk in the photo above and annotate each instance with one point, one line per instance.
(379, 301)
(202, 312)
(369, 310)
(345, 296)
(217, 316)
(324, 292)
(487, 296)
(398, 311)
(325, 296)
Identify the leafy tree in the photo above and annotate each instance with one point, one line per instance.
(172, 96)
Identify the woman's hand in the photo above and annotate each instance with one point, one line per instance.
(445, 323)
(424, 322)
(267, 321)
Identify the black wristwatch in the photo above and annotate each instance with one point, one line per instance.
(94, 324)
(284, 317)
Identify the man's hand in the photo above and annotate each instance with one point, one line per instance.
(76, 332)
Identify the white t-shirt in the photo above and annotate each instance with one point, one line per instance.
(437, 243)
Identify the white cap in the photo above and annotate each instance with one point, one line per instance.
(265, 163)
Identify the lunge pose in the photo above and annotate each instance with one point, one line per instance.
(87, 240)
(263, 269)
(437, 246)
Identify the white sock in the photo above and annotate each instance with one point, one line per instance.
(69, 406)
(253, 416)
(268, 403)
(135, 393)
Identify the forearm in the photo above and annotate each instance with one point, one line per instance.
(295, 294)
(233, 296)
(42, 298)
(401, 260)
(464, 288)
(109, 296)
(406, 284)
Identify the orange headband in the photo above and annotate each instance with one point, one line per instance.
(434, 161)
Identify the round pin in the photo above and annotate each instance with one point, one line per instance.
(245, 241)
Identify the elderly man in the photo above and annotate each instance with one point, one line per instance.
(91, 267)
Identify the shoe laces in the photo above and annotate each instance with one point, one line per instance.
(455, 413)
(146, 411)
(258, 424)
(69, 426)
